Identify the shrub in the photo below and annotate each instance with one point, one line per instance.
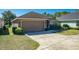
(55, 27)
(4, 27)
(13, 29)
(77, 27)
(18, 30)
(66, 26)
(4, 31)
(1, 30)
(46, 29)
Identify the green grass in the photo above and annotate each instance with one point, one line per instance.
(70, 32)
(17, 42)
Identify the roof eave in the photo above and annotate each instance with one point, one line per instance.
(31, 18)
(68, 19)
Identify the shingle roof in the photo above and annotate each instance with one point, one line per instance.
(33, 15)
(69, 17)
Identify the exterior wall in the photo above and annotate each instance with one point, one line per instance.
(1, 24)
(16, 23)
(52, 22)
(45, 24)
(71, 24)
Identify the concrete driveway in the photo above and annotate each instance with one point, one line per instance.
(54, 41)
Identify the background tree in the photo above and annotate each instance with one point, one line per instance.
(76, 10)
(50, 15)
(58, 14)
(44, 13)
(8, 16)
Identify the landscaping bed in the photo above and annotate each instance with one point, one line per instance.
(17, 30)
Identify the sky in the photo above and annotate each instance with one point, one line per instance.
(20, 12)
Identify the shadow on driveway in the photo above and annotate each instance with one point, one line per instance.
(42, 32)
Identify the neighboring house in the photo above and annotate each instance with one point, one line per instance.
(71, 19)
(1, 23)
(32, 21)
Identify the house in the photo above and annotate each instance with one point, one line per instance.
(1, 23)
(71, 19)
(32, 21)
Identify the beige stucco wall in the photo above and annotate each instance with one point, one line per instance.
(71, 24)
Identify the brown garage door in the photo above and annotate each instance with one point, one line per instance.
(29, 26)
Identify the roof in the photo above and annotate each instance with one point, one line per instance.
(69, 17)
(33, 15)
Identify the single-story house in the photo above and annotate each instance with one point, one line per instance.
(32, 21)
(72, 19)
(1, 23)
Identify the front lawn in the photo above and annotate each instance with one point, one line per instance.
(70, 32)
(17, 42)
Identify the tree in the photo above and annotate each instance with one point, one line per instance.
(58, 14)
(49, 15)
(8, 16)
(76, 10)
(44, 13)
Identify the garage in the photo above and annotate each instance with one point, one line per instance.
(32, 22)
(29, 26)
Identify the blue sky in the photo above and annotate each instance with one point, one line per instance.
(20, 12)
